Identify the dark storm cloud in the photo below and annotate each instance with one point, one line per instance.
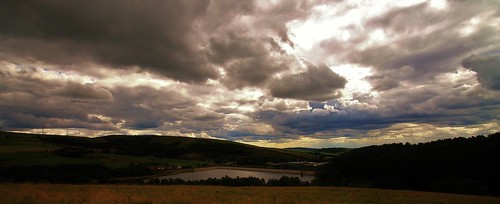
(441, 55)
(235, 45)
(247, 60)
(104, 64)
(76, 90)
(34, 110)
(28, 101)
(250, 49)
(443, 103)
(428, 40)
(318, 83)
(155, 35)
(418, 77)
(247, 136)
(437, 98)
(220, 13)
(145, 107)
(383, 82)
(386, 80)
(252, 72)
(487, 68)
(165, 37)
(283, 12)
(308, 122)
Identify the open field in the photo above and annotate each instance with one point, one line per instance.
(20, 158)
(53, 193)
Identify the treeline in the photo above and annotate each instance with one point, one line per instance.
(171, 147)
(96, 173)
(459, 165)
(69, 173)
(228, 181)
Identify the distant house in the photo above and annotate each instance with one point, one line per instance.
(230, 163)
(157, 168)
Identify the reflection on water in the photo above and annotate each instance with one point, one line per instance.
(219, 173)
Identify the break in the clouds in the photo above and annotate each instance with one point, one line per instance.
(274, 73)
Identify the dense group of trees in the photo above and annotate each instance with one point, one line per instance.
(459, 165)
(238, 181)
(70, 173)
(63, 173)
(96, 173)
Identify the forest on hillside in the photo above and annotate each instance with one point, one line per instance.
(459, 165)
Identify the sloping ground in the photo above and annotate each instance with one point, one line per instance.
(458, 165)
(198, 148)
(18, 145)
(50, 193)
(30, 149)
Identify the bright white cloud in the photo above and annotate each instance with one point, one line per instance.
(379, 71)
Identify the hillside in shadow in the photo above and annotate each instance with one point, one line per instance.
(459, 165)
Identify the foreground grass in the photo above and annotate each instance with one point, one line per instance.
(52, 193)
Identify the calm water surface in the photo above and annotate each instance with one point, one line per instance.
(219, 173)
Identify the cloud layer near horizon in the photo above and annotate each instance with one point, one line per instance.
(280, 73)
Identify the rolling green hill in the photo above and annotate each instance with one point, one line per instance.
(33, 149)
(69, 159)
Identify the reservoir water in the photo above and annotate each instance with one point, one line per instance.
(233, 173)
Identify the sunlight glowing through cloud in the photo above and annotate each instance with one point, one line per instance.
(356, 77)
(273, 73)
(438, 4)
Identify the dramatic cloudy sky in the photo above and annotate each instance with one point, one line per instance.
(313, 73)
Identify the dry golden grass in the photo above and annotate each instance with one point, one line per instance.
(51, 193)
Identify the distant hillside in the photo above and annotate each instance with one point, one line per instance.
(328, 152)
(182, 147)
(459, 165)
(65, 159)
(217, 151)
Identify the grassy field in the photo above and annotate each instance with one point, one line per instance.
(17, 149)
(24, 150)
(20, 158)
(51, 193)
